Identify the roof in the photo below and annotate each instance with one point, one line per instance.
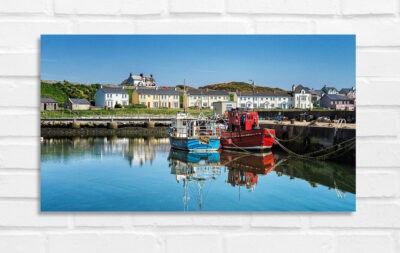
(265, 94)
(345, 90)
(326, 89)
(80, 101)
(208, 92)
(113, 90)
(337, 97)
(47, 100)
(317, 92)
(301, 87)
(157, 92)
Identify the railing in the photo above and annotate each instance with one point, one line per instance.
(195, 131)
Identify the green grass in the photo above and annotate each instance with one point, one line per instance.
(128, 112)
(61, 91)
(53, 91)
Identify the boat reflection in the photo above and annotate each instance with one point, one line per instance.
(244, 168)
(194, 170)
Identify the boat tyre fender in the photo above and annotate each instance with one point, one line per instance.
(285, 136)
(306, 142)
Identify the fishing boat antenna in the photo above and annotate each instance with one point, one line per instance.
(254, 87)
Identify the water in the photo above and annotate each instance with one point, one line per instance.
(121, 174)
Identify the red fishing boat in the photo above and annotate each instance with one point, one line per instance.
(244, 132)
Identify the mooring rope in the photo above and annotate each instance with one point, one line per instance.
(307, 156)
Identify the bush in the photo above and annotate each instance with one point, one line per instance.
(118, 106)
(137, 106)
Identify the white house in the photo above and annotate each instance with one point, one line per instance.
(265, 100)
(348, 92)
(329, 90)
(139, 80)
(110, 96)
(302, 98)
(205, 98)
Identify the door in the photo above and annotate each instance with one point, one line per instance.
(169, 104)
(148, 104)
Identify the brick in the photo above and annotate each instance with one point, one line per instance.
(101, 27)
(27, 214)
(200, 27)
(377, 154)
(20, 243)
(102, 220)
(22, 6)
(19, 64)
(27, 90)
(276, 220)
(19, 185)
(386, 94)
(17, 124)
(368, 7)
(170, 220)
(87, 7)
(284, 27)
(10, 156)
(368, 215)
(377, 63)
(26, 34)
(104, 242)
(317, 7)
(369, 32)
(377, 184)
(143, 7)
(203, 243)
(369, 122)
(279, 242)
(200, 6)
(365, 242)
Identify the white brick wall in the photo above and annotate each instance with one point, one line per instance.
(375, 227)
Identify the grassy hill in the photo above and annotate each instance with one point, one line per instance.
(61, 91)
(240, 86)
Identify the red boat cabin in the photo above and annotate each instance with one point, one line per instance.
(242, 120)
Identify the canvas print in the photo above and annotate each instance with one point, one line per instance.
(198, 123)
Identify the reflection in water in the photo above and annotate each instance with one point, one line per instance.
(207, 181)
(194, 170)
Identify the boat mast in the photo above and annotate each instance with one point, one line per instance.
(252, 83)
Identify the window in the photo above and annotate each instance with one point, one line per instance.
(155, 104)
(205, 104)
(176, 105)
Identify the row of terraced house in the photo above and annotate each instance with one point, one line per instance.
(169, 97)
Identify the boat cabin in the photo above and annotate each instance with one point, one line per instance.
(184, 126)
(242, 120)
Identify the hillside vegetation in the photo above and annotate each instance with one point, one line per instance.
(240, 86)
(61, 91)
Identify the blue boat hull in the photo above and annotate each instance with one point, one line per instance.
(194, 145)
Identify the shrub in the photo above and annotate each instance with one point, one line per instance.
(118, 106)
(137, 106)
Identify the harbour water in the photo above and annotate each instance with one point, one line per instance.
(136, 174)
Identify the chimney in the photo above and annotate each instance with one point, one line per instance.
(130, 74)
(293, 87)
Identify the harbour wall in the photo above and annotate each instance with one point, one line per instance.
(349, 116)
(313, 139)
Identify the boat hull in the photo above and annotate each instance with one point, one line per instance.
(195, 144)
(256, 140)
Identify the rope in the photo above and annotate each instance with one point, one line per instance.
(307, 156)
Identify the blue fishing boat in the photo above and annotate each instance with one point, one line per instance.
(194, 134)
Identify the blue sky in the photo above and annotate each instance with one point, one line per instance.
(270, 60)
